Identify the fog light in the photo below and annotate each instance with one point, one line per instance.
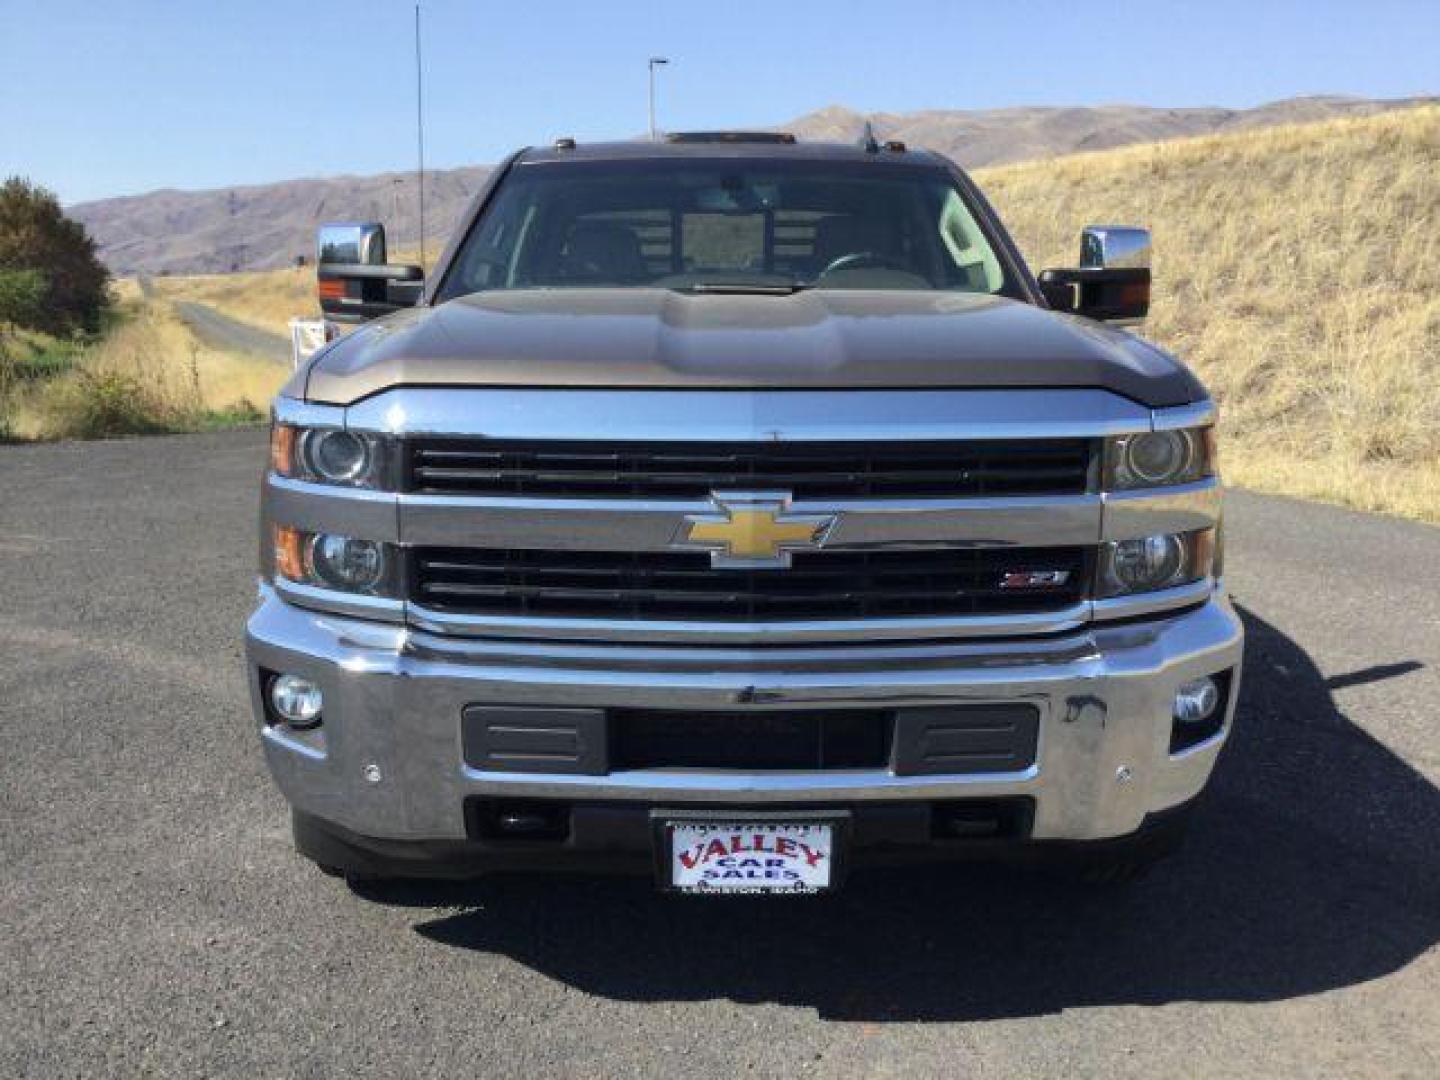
(296, 700)
(1197, 700)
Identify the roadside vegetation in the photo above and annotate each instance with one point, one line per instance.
(146, 374)
(84, 357)
(1296, 271)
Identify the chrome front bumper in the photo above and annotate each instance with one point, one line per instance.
(388, 761)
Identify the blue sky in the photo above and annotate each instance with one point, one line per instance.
(111, 97)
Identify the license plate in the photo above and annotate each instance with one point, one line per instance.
(751, 856)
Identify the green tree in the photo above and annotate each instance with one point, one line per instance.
(36, 236)
(22, 297)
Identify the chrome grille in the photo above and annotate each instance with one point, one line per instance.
(808, 470)
(684, 586)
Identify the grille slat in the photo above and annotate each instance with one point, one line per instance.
(827, 470)
(682, 585)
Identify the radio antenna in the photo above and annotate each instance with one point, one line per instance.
(420, 137)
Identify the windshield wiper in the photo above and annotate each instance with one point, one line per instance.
(744, 288)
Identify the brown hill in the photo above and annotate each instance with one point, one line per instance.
(268, 225)
(1000, 136)
(265, 225)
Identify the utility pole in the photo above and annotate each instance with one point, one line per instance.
(420, 136)
(655, 61)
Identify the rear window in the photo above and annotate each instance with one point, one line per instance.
(687, 224)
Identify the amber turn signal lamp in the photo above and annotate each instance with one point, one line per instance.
(289, 553)
(282, 449)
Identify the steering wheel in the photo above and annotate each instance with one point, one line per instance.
(860, 259)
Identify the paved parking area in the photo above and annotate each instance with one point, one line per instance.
(156, 920)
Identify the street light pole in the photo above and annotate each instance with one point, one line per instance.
(655, 61)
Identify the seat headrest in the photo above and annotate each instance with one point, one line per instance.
(605, 251)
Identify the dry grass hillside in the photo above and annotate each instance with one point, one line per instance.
(265, 299)
(1297, 272)
(265, 226)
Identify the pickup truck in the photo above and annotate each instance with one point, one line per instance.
(739, 511)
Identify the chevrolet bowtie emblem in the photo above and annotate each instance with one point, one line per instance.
(754, 531)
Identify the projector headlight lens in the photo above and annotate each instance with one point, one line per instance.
(338, 457)
(331, 455)
(1159, 458)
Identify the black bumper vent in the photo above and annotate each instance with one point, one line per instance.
(919, 741)
(684, 586)
(808, 470)
(646, 739)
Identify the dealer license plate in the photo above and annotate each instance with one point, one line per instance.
(751, 856)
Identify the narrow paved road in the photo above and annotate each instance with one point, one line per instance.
(156, 921)
(221, 331)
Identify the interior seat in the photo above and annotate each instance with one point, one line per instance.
(603, 252)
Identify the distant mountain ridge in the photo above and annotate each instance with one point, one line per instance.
(267, 225)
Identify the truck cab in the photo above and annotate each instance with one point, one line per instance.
(739, 511)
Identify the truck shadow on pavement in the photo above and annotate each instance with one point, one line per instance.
(1312, 865)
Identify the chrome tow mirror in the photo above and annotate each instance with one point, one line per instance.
(1112, 282)
(1114, 246)
(354, 279)
(350, 243)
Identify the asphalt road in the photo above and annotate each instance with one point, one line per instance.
(156, 921)
(221, 331)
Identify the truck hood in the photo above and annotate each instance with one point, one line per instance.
(662, 339)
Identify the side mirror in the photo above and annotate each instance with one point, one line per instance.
(354, 280)
(1112, 282)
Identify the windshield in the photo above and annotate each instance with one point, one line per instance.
(727, 226)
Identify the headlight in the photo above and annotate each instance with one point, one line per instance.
(338, 457)
(330, 561)
(1157, 458)
(1147, 563)
(347, 563)
(329, 456)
